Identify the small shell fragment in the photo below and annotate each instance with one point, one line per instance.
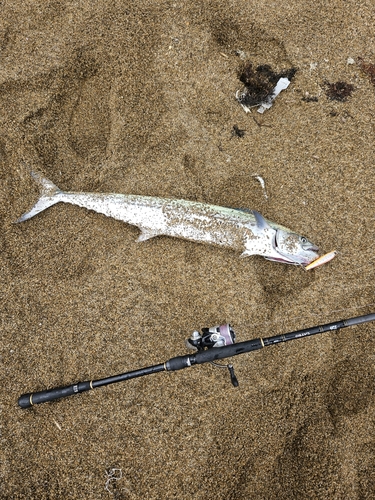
(262, 183)
(321, 260)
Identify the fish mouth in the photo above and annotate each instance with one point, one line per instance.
(313, 251)
(296, 260)
(313, 248)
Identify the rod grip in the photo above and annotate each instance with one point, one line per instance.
(30, 399)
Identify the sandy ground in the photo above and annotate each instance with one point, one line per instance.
(138, 97)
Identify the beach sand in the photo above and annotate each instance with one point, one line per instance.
(139, 97)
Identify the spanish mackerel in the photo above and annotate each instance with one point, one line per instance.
(245, 231)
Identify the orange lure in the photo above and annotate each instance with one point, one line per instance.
(321, 260)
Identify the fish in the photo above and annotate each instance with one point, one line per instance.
(245, 231)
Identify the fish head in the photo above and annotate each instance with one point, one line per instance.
(278, 244)
(292, 248)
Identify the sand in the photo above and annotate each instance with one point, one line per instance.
(138, 97)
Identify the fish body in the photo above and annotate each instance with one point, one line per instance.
(247, 232)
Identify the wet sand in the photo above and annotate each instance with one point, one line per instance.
(138, 97)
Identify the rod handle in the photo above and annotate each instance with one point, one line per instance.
(30, 399)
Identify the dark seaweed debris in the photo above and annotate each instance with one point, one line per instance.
(338, 91)
(237, 132)
(310, 99)
(259, 83)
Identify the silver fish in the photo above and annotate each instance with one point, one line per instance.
(245, 231)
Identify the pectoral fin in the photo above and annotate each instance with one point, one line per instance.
(260, 220)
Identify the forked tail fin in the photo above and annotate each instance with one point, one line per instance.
(48, 197)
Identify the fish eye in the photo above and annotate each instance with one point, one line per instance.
(303, 239)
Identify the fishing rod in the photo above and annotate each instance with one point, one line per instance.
(211, 345)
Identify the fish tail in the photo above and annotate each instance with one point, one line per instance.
(48, 197)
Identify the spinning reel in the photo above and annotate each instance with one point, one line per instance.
(216, 336)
